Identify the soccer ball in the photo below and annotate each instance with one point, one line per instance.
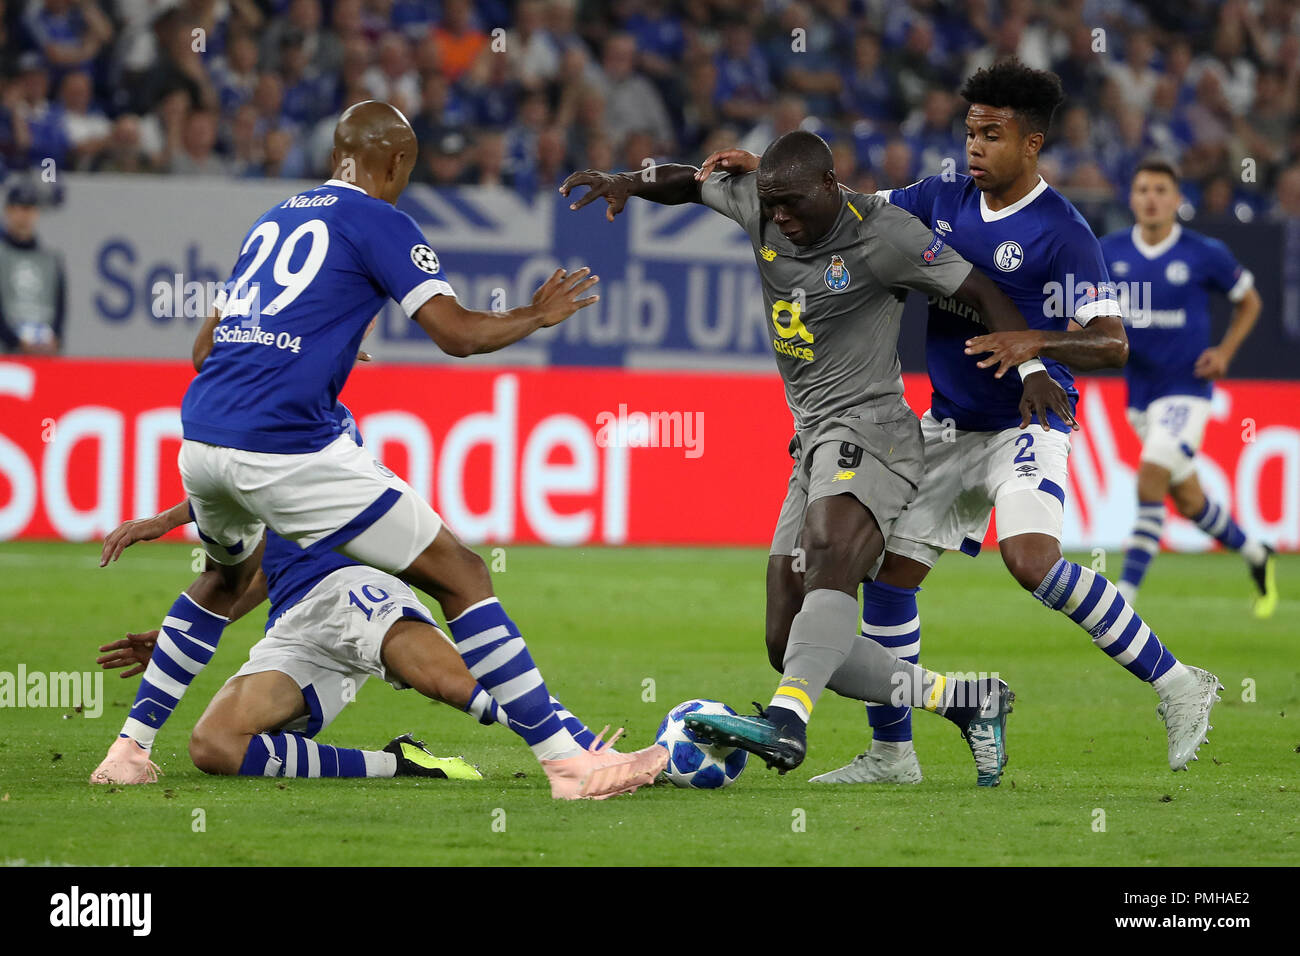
(691, 761)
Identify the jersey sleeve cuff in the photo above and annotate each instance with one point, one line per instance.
(1090, 310)
(422, 293)
(1244, 285)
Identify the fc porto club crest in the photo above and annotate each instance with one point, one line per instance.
(1008, 256)
(837, 275)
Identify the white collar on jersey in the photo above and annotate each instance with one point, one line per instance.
(993, 215)
(1161, 247)
(339, 182)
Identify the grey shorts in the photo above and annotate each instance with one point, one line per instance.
(879, 463)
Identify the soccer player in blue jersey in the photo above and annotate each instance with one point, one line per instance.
(1011, 224)
(1167, 273)
(333, 624)
(260, 447)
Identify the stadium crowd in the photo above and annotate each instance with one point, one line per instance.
(519, 94)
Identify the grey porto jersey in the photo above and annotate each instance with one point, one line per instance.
(833, 307)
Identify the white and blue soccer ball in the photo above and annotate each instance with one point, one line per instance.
(691, 761)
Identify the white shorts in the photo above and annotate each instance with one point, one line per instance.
(967, 474)
(340, 497)
(330, 642)
(1171, 429)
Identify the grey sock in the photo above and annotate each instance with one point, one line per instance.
(820, 638)
(870, 672)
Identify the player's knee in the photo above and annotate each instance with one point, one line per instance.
(1029, 565)
(1188, 501)
(776, 643)
(215, 752)
(832, 560)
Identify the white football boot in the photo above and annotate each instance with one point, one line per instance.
(1186, 713)
(876, 767)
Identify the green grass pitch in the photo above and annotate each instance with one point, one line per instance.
(623, 635)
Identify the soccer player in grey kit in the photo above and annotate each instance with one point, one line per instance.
(835, 266)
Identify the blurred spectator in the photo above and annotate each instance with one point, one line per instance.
(631, 101)
(459, 42)
(898, 168)
(197, 156)
(914, 68)
(534, 54)
(84, 124)
(443, 162)
(1286, 204)
(322, 46)
(393, 77)
(1081, 68)
(235, 73)
(931, 134)
(868, 88)
(1135, 76)
(789, 114)
(40, 119)
(124, 152)
(308, 94)
(744, 84)
(803, 58)
(31, 281)
(68, 33)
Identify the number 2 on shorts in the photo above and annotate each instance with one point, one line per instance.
(1025, 441)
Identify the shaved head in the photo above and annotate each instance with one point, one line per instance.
(375, 149)
(797, 157)
(796, 186)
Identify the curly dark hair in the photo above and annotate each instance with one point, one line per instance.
(1033, 94)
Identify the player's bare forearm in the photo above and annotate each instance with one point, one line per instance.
(143, 529)
(1243, 321)
(463, 332)
(670, 184)
(1102, 343)
(998, 312)
(203, 341)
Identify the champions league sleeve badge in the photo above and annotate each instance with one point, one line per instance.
(837, 275)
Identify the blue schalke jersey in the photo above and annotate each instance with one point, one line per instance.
(1165, 290)
(310, 276)
(292, 571)
(1042, 255)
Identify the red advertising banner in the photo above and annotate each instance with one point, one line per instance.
(575, 456)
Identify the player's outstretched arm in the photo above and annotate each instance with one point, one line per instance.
(670, 184)
(1040, 392)
(1102, 343)
(461, 332)
(1213, 362)
(143, 529)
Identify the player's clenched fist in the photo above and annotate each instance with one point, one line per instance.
(560, 295)
(614, 188)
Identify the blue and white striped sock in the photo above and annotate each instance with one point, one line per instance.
(890, 618)
(1216, 521)
(498, 658)
(581, 734)
(1093, 603)
(292, 755)
(1144, 543)
(186, 642)
(488, 712)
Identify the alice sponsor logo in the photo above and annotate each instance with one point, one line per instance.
(75, 908)
(63, 689)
